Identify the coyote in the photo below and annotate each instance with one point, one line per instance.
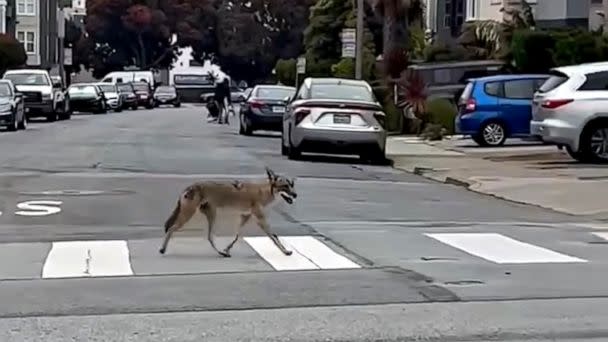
(249, 198)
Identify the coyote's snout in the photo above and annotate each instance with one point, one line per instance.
(248, 198)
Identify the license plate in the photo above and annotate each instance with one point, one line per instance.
(278, 109)
(341, 119)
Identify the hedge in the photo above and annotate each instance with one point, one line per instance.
(539, 51)
(442, 112)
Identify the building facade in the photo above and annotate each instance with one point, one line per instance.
(36, 29)
(444, 18)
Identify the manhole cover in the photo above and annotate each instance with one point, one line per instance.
(77, 192)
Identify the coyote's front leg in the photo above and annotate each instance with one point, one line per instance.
(261, 218)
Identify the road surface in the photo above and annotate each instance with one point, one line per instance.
(380, 254)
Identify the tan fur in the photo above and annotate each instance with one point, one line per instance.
(247, 198)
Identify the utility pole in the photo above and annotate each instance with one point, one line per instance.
(61, 35)
(359, 44)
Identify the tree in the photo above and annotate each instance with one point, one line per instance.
(346, 66)
(125, 34)
(322, 36)
(12, 53)
(397, 14)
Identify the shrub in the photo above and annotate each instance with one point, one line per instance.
(286, 71)
(344, 69)
(532, 51)
(442, 112)
(12, 53)
(441, 53)
(394, 117)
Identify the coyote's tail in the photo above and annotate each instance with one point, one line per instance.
(171, 220)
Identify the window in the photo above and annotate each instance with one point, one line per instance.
(28, 39)
(26, 7)
(553, 82)
(341, 92)
(493, 88)
(595, 81)
(519, 89)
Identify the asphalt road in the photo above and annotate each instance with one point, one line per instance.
(379, 254)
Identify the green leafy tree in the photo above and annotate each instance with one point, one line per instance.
(322, 36)
(346, 66)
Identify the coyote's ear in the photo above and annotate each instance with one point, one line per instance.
(271, 174)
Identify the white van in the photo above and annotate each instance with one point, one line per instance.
(129, 76)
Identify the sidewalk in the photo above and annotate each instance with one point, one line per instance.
(526, 173)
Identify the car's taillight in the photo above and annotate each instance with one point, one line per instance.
(553, 104)
(256, 104)
(300, 114)
(381, 118)
(470, 106)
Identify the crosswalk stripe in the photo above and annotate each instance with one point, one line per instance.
(68, 259)
(318, 252)
(279, 261)
(501, 249)
(602, 235)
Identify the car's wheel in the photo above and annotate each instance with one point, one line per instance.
(51, 117)
(594, 143)
(23, 122)
(244, 127)
(177, 104)
(375, 156)
(283, 147)
(577, 155)
(134, 107)
(14, 125)
(292, 151)
(493, 134)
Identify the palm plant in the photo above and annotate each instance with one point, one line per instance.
(412, 96)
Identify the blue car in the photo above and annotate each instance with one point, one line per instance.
(494, 108)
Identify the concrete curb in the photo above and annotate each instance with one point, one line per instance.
(427, 172)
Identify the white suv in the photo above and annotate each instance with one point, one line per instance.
(571, 109)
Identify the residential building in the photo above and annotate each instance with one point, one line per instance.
(444, 18)
(598, 10)
(547, 13)
(7, 16)
(37, 29)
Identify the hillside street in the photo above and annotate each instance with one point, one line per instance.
(381, 253)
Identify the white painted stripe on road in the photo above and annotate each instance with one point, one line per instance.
(501, 249)
(279, 261)
(319, 253)
(68, 259)
(602, 235)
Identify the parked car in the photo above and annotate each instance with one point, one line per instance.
(166, 95)
(112, 95)
(494, 108)
(144, 93)
(41, 96)
(12, 110)
(87, 97)
(569, 110)
(237, 95)
(264, 109)
(129, 98)
(334, 115)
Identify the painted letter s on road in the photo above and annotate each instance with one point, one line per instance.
(38, 208)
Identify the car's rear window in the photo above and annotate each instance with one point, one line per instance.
(556, 79)
(467, 92)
